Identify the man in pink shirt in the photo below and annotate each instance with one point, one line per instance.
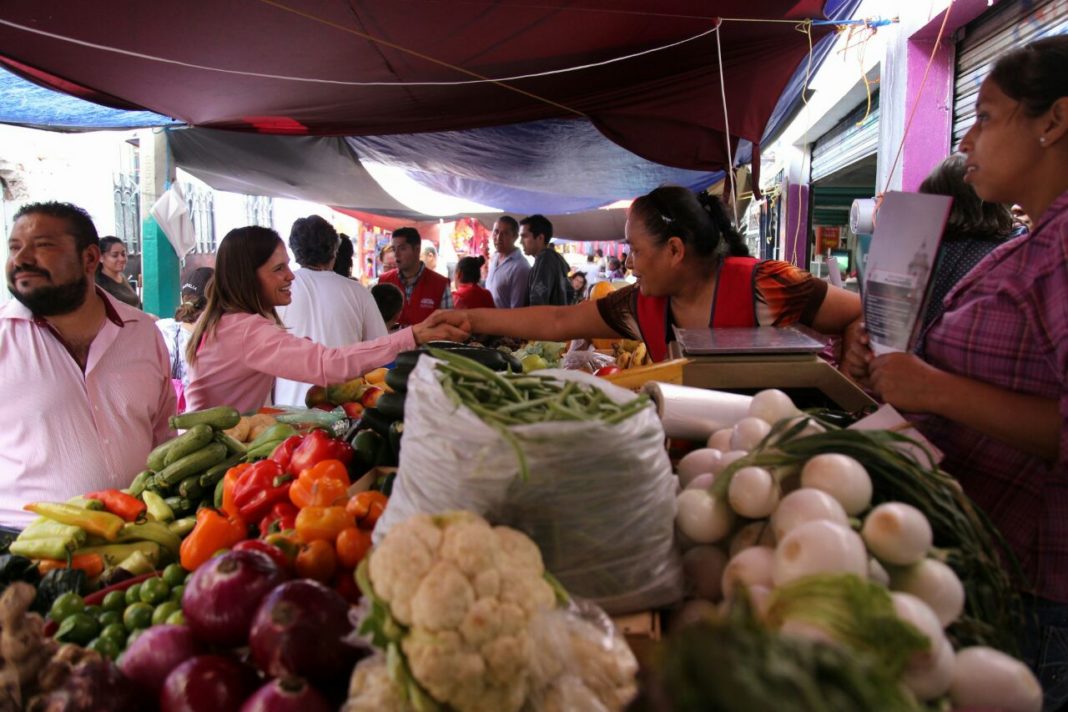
(85, 388)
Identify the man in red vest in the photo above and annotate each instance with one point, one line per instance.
(424, 290)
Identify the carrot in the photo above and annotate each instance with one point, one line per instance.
(91, 564)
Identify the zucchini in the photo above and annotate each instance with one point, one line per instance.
(368, 446)
(221, 417)
(376, 420)
(196, 463)
(187, 443)
(391, 405)
(396, 430)
(216, 473)
(190, 487)
(217, 498)
(397, 379)
(141, 482)
(232, 445)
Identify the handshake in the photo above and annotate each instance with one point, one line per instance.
(443, 325)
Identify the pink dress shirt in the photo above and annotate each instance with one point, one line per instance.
(237, 364)
(64, 432)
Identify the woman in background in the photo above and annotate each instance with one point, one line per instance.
(239, 345)
(110, 276)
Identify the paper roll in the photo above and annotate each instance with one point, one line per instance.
(862, 216)
(695, 413)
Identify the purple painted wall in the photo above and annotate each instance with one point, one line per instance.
(795, 237)
(929, 137)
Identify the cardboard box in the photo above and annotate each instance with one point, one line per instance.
(642, 631)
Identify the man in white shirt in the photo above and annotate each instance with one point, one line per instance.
(85, 387)
(327, 308)
(509, 269)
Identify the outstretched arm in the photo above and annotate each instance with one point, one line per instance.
(580, 321)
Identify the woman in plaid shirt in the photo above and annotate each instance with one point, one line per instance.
(993, 388)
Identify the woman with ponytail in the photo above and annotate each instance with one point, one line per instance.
(693, 270)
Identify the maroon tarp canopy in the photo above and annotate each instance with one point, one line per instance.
(373, 67)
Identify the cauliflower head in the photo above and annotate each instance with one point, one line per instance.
(464, 593)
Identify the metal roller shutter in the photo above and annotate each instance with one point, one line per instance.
(1011, 24)
(847, 142)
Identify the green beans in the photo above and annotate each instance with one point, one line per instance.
(504, 400)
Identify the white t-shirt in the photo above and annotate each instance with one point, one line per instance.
(330, 310)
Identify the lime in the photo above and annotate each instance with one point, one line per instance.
(114, 601)
(155, 590)
(94, 611)
(163, 610)
(105, 646)
(115, 631)
(176, 618)
(133, 594)
(77, 628)
(133, 636)
(108, 617)
(65, 606)
(137, 616)
(174, 574)
(177, 592)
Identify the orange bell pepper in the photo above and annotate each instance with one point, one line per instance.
(229, 483)
(316, 560)
(366, 508)
(314, 523)
(320, 485)
(352, 545)
(213, 531)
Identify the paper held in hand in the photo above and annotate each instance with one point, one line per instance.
(900, 267)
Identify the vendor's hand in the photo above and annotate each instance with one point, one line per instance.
(856, 357)
(905, 381)
(443, 325)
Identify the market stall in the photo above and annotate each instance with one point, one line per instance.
(359, 554)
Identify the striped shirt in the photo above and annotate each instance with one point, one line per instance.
(1006, 324)
(65, 432)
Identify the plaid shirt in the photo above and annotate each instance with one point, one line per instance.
(1006, 323)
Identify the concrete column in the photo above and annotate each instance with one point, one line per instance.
(159, 263)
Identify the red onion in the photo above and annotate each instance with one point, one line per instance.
(221, 596)
(298, 631)
(287, 695)
(155, 653)
(207, 683)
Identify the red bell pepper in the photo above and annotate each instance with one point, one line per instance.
(283, 454)
(276, 554)
(282, 516)
(258, 489)
(126, 506)
(316, 447)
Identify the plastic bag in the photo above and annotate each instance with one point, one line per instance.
(586, 360)
(599, 503)
(576, 660)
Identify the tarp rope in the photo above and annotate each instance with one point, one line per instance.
(727, 127)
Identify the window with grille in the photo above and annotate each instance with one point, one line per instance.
(201, 205)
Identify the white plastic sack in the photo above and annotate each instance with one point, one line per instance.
(172, 214)
(600, 501)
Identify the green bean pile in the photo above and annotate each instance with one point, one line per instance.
(504, 399)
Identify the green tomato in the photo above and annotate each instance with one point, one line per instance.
(137, 616)
(155, 590)
(105, 646)
(115, 631)
(65, 606)
(77, 628)
(109, 617)
(115, 601)
(177, 592)
(133, 594)
(174, 574)
(163, 610)
(176, 618)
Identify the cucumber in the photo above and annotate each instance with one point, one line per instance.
(397, 379)
(190, 488)
(193, 464)
(175, 503)
(391, 405)
(396, 430)
(221, 417)
(187, 443)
